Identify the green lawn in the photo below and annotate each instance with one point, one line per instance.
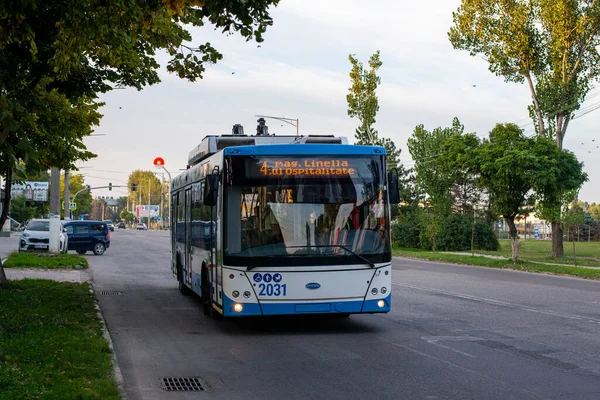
(588, 253)
(51, 343)
(467, 259)
(45, 260)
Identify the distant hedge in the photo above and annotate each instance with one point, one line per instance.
(455, 233)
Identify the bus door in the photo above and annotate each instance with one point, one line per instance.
(174, 228)
(216, 271)
(188, 236)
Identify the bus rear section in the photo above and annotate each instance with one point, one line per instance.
(305, 229)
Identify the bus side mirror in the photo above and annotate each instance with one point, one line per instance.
(393, 188)
(211, 187)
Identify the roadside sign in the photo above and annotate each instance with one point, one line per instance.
(73, 206)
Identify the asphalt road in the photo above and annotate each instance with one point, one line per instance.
(454, 333)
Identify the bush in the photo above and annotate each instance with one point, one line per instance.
(455, 234)
(457, 231)
(406, 231)
(485, 237)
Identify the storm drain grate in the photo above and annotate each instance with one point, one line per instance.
(182, 384)
(111, 293)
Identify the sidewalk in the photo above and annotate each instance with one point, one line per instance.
(59, 275)
(9, 244)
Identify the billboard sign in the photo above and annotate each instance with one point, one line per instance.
(145, 211)
(33, 191)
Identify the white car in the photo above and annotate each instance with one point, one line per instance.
(141, 227)
(36, 236)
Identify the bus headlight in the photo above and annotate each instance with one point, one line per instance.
(237, 307)
(374, 291)
(247, 294)
(383, 290)
(381, 303)
(235, 294)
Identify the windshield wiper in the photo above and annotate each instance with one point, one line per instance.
(362, 258)
(254, 265)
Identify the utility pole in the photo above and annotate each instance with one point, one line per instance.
(55, 191)
(149, 183)
(67, 196)
(54, 234)
(162, 201)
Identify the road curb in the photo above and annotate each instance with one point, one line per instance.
(116, 370)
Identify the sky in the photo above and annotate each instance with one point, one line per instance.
(301, 71)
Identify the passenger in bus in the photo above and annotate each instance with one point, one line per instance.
(271, 226)
(323, 236)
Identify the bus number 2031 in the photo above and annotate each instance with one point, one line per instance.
(272, 289)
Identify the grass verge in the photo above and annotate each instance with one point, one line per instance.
(480, 261)
(51, 343)
(588, 253)
(45, 260)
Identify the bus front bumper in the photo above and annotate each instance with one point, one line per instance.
(240, 309)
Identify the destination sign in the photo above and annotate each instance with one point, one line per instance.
(306, 167)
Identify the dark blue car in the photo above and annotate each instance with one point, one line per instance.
(88, 236)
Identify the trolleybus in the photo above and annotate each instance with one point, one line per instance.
(271, 225)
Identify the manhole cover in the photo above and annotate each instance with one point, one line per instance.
(182, 384)
(111, 293)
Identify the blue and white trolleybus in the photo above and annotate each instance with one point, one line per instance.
(272, 225)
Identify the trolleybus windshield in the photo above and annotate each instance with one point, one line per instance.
(296, 210)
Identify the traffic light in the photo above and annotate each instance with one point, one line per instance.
(109, 186)
(133, 187)
(89, 188)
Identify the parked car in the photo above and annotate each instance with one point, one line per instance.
(87, 236)
(121, 225)
(109, 223)
(141, 227)
(36, 236)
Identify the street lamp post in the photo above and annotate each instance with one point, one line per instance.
(159, 163)
(292, 121)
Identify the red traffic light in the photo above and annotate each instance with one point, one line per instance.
(159, 162)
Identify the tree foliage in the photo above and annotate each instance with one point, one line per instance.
(83, 200)
(550, 44)
(21, 211)
(362, 99)
(147, 183)
(363, 104)
(594, 210)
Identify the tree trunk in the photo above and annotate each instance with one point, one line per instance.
(557, 240)
(3, 217)
(6, 200)
(538, 110)
(514, 239)
(574, 255)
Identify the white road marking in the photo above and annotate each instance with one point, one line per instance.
(498, 303)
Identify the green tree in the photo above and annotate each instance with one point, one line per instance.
(83, 200)
(560, 178)
(362, 99)
(594, 210)
(550, 44)
(57, 56)
(147, 184)
(433, 181)
(573, 217)
(127, 215)
(363, 104)
(504, 166)
(21, 211)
